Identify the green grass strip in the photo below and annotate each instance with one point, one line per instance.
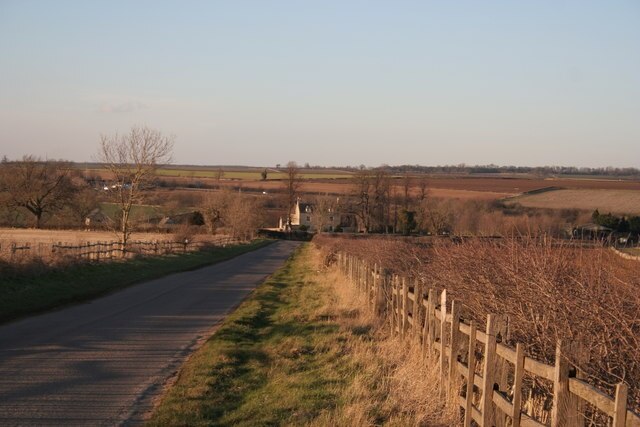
(24, 294)
(275, 361)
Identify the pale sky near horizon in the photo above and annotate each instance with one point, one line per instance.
(330, 83)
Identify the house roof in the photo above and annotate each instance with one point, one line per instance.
(304, 207)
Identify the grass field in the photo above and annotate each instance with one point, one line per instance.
(299, 352)
(32, 288)
(614, 201)
(247, 175)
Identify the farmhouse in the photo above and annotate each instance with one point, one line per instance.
(307, 216)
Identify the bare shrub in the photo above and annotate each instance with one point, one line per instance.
(549, 289)
(240, 215)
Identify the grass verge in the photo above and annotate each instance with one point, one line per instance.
(29, 293)
(300, 351)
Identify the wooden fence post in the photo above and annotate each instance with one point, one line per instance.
(454, 342)
(517, 386)
(620, 406)
(394, 305)
(564, 411)
(502, 369)
(398, 312)
(405, 306)
(379, 292)
(425, 326)
(416, 310)
(471, 372)
(373, 286)
(443, 335)
(431, 319)
(488, 372)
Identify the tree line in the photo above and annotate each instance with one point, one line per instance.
(55, 189)
(497, 169)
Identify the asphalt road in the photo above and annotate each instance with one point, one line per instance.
(104, 362)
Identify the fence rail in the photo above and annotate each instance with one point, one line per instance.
(108, 250)
(493, 378)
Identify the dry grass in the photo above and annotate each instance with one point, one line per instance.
(615, 201)
(395, 384)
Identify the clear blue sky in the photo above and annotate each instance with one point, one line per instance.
(331, 82)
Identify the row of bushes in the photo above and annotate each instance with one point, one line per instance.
(620, 224)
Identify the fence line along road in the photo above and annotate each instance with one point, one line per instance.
(107, 250)
(498, 371)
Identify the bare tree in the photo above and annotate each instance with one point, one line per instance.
(361, 195)
(324, 213)
(243, 216)
(381, 207)
(423, 185)
(219, 174)
(41, 187)
(214, 207)
(239, 213)
(132, 160)
(293, 181)
(407, 183)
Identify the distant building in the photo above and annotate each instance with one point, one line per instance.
(308, 217)
(96, 219)
(591, 231)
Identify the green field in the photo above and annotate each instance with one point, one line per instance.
(112, 210)
(246, 175)
(233, 172)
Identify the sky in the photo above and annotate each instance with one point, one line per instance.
(259, 83)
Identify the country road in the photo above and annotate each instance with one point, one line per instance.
(104, 362)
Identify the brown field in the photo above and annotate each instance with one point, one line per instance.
(441, 186)
(345, 187)
(614, 201)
